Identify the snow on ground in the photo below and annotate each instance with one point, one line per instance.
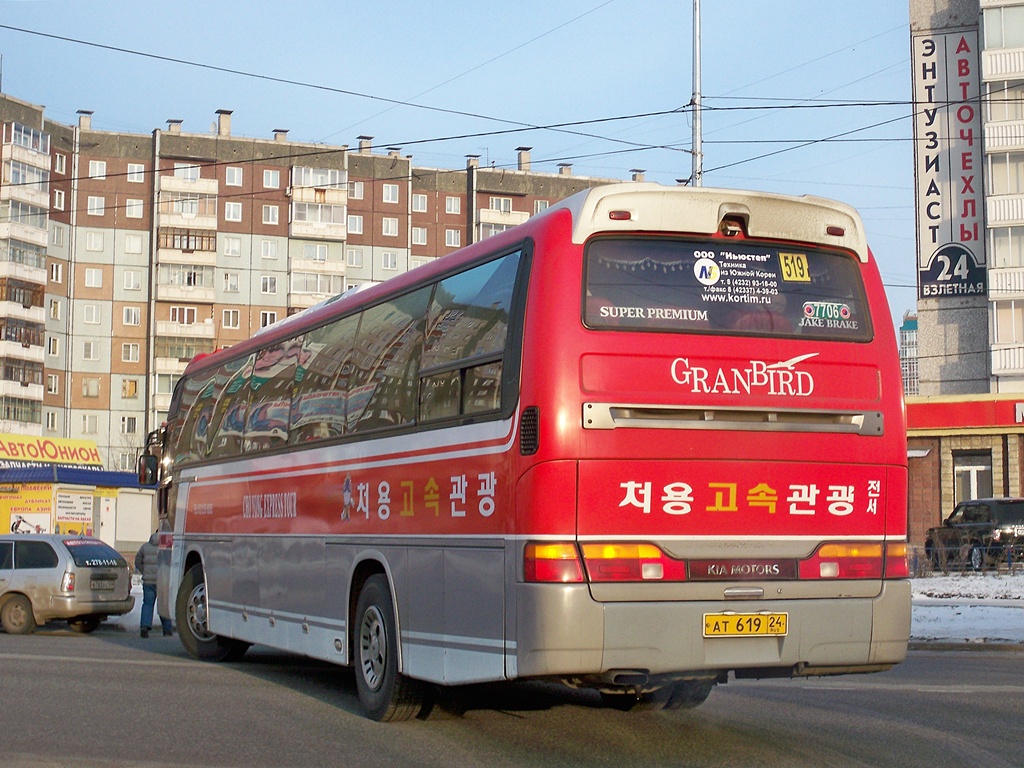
(969, 607)
(952, 608)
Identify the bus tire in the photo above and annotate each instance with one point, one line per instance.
(385, 694)
(193, 629)
(17, 617)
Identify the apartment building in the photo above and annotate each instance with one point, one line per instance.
(122, 256)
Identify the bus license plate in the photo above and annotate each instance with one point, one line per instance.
(745, 624)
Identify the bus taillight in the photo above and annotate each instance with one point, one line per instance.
(552, 562)
(857, 560)
(631, 562)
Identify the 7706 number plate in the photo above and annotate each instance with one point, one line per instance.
(746, 624)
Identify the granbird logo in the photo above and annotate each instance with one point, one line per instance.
(759, 377)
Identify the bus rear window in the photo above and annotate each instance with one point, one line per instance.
(724, 287)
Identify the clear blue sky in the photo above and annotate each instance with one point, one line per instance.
(778, 80)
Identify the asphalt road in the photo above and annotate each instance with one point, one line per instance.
(111, 699)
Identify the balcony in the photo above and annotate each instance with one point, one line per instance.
(18, 351)
(1008, 360)
(13, 230)
(188, 294)
(204, 330)
(1004, 136)
(21, 391)
(25, 194)
(1005, 281)
(12, 269)
(27, 156)
(1004, 210)
(1002, 64)
(505, 218)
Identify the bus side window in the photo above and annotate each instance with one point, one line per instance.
(270, 396)
(467, 329)
(228, 422)
(386, 358)
(320, 401)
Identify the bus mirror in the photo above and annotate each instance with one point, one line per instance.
(147, 469)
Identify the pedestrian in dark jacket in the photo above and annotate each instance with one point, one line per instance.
(146, 565)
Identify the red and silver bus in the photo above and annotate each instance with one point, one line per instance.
(650, 438)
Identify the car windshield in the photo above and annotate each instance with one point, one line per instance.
(92, 553)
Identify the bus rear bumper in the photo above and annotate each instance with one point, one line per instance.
(572, 636)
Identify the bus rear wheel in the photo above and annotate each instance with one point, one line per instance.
(193, 627)
(385, 694)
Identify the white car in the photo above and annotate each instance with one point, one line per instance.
(49, 576)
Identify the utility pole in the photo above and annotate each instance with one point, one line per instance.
(698, 153)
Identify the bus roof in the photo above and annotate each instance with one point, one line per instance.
(649, 207)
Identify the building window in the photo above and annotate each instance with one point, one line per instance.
(233, 176)
(389, 260)
(1006, 171)
(419, 235)
(136, 173)
(91, 314)
(183, 315)
(452, 238)
(132, 316)
(1004, 27)
(132, 280)
(452, 204)
(90, 424)
(231, 318)
(55, 309)
(58, 199)
(56, 272)
(129, 425)
(96, 205)
(58, 235)
(355, 190)
(52, 384)
(130, 353)
(267, 318)
(133, 243)
(271, 179)
(972, 475)
(540, 205)
(355, 225)
(53, 346)
(93, 277)
(51, 421)
(60, 163)
(390, 193)
(354, 257)
(90, 351)
(503, 204)
(389, 227)
(97, 169)
(270, 214)
(94, 241)
(419, 203)
(268, 285)
(315, 251)
(269, 249)
(231, 282)
(129, 389)
(1009, 321)
(90, 386)
(232, 246)
(133, 208)
(186, 171)
(232, 211)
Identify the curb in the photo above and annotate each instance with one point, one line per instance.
(964, 645)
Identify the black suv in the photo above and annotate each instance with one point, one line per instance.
(978, 532)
